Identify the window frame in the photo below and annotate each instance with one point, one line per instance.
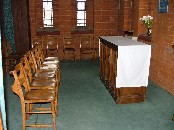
(84, 23)
(51, 24)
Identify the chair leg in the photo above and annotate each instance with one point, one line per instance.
(53, 114)
(30, 107)
(74, 57)
(64, 56)
(23, 117)
(94, 56)
(81, 56)
(27, 110)
(56, 103)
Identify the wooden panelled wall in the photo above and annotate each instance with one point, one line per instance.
(21, 25)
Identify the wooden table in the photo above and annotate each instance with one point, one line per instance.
(124, 68)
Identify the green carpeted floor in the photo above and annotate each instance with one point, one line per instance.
(85, 104)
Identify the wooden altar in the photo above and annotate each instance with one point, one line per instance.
(110, 49)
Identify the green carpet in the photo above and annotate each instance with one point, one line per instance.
(85, 104)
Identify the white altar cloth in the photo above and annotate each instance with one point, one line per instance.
(133, 61)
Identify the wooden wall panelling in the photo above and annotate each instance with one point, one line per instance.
(21, 25)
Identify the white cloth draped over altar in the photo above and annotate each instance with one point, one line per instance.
(133, 61)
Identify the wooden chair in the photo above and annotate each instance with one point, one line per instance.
(36, 40)
(40, 66)
(68, 48)
(39, 40)
(29, 98)
(40, 58)
(47, 70)
(35, 69)
(86, 41)
(52, 48)
(42, 82)
(11, 58)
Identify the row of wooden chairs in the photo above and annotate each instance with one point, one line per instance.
(89, 45)
(40, 78)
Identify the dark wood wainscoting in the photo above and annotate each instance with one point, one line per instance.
(20, 9)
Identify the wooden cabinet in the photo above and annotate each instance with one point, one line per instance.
(109, 74)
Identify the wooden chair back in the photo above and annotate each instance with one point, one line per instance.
(86, 41)
(36, 40)
(86, 48)
(35, 54)
(20, 81)
(31, 62)
(26, 68)
(52, 46)
(68, 47)
(41, 53)
(68, 42)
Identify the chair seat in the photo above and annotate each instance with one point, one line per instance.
(43, 84)
(96, 49)
(49, 67)
(50, 63)
(44, 75)
(52, 49)
(86, 49)
(69, 49)
(45, 71)
(40, 95)
(51, 59)
(52, 79)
